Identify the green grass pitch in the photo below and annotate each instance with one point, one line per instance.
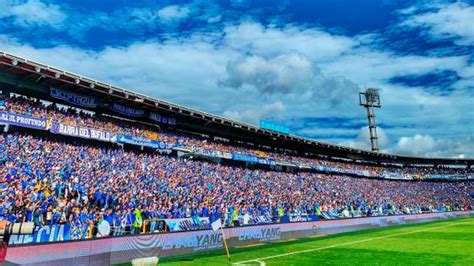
(447, 242)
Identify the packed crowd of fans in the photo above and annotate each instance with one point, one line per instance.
(72, 116)
(49, 182)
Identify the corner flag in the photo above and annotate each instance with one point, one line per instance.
(216, 225)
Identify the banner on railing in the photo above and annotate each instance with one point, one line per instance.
(125, 110)
(252, 159)
(188, 224)
(155, 144)
(162, 119)
(397, 176)
(286, 163)
(81, 100)
(266, 161)
(22, 120)
(299, 217)
(447, 177)
(52, 233)
(244, 158)
(324, 168)
(82, 132)
(212, 153)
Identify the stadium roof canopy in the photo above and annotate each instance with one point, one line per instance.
(27, 77)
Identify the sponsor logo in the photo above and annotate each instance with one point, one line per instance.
(299, 218)
(209, 241)
(264, 234)
(399, 220)
(204, 241)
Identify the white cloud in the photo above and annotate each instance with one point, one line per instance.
(270, 41)
(415, 145)
(32, 13)
(289, 74)
(251, 71)
(426, 145)
(446, 21)
(174, 13)
(214, 19)
(367, 67)
(283, 74)
(362, 141)
(255, 114)
(35, 13)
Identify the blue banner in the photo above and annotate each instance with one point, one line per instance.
(266, 161)
(125, 110)
(301, 217)
(124, 139)
(22, 120)
(244, 158)
(162, 119)
(331, 169)
(82, 132)
(81, 100)
(51, 233)
(252, 159)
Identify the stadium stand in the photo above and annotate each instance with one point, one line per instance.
(71, 116)
(48, 182)
(67, 159)
(51, 182)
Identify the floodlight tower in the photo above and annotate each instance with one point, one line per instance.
(370, 99)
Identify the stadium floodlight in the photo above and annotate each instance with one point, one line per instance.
(111, 91)
(126, 96)
(14, 62)
(57, 75)
(92, 85)
(370, 99)
(77, 81)
(37, 69)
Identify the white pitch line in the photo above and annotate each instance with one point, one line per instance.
(260, 260)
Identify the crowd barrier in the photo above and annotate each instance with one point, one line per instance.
(114, 250)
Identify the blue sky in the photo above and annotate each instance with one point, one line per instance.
(299, 63)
